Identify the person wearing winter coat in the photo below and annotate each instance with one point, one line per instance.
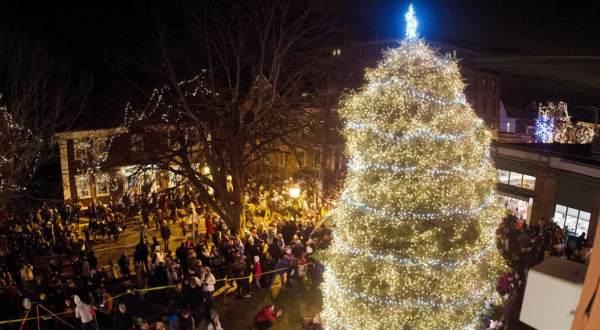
(122, 319)
(157, 258)
(214, 323)
(256, 271)
(83, 312)
(124, 265)
(186, 322)
(208, 285)
(513, 308)
(266, 317)
(281, 269)
(165, 233)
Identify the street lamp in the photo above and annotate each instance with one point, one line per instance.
(294, 192)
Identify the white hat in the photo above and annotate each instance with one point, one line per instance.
(256, 258)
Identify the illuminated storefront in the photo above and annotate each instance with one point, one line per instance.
(575, 220)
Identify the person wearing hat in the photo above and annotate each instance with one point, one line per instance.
(256, 271)
(214, 324)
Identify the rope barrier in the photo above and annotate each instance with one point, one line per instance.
(151, 289)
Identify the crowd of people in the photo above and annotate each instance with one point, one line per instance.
(524, 247)
(184, 279)
(277, 253)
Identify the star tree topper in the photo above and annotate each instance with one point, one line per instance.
(411, 24)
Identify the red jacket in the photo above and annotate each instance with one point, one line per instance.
(265, 314)
(210, 227)
(257, 270)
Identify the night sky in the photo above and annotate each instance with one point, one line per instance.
(522, 28)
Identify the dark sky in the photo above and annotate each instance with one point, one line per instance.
(500, 28)
(496, 28)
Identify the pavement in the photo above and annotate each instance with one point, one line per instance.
(111, 250)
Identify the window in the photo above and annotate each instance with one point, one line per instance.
(80, 149)
(483, 104)
(576, 221)
(317, 160)
(475, 82)
(494, 85)
(503, 176)
(560, 214)
(493, 106)
(336, 52)
(83, 188)
(528, 182)
(516, 179)
(474, 103)
(484, 84)
(101, 147)
(583, 224)
(102, 184)
(301, 157)
(137, 143)
(281, 159)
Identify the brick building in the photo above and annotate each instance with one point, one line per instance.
(553, 181)
(483, 86)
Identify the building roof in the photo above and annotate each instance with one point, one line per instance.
(578, 153)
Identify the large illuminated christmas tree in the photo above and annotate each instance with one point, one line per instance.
(414, 230)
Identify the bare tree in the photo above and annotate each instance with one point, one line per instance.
(40, 97)
(231, 99)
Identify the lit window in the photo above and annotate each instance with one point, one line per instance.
(102, 185)
(83, 188)
(101, 147)
(560, 214)
(503, 176)
(576, 221)
(494, 85)
(336, 52)
(528, 182)
(583, 224)
(572, 216)
(516, 179)
(80, 149)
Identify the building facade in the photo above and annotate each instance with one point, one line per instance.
(558, 182)
(483, 86)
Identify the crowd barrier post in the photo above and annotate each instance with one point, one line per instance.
(25, 318)
(47, 310)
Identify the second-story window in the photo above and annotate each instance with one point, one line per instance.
(301, 157)
(101, 147)
(493, 85)
(79, 149)
(137, 143)
(484, 84)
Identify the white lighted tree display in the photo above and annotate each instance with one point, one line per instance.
(561, 130)
(415, 228)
